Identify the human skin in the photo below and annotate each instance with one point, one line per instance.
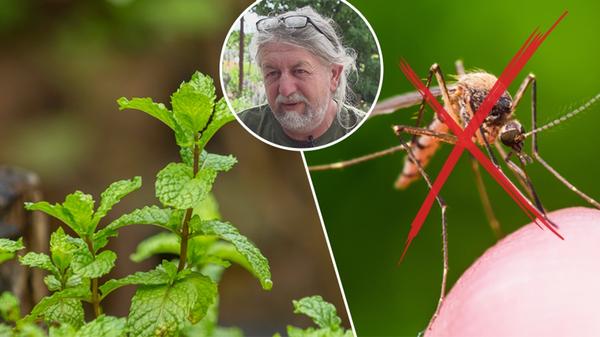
(289, 69)
(531, 283)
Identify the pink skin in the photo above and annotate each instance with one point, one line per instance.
(289, 69)
(531, 284)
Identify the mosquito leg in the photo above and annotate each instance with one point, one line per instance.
(529, 80)
(485, 200)
(444, 137)
(538, 157)
(398, 129)
(536, 198)
(422, 105)
(443, 207)
(524, 180)
(523, 177)
(488, 148)
(358, 160)
(439, 76)
(513, 167)
(566, 182)
(521, 173)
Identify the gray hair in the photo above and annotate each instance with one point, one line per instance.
(329, 47)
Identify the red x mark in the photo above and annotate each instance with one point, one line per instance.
(464, 136)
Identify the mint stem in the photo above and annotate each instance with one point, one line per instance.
(185, 229)
(95, 298)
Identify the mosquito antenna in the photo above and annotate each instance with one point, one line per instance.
(564, 117)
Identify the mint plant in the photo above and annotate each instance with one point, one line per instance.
(8, 248)
(177, 298)
(323, 314)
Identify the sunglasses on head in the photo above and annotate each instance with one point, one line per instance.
(292, 21)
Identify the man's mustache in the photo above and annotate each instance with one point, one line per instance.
(291, 99)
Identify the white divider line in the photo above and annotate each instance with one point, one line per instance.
(337, 274)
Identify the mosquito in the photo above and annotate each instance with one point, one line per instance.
(500, 129)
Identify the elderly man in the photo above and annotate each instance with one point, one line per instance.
(305, 70)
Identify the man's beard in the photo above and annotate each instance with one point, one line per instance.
(299, 121)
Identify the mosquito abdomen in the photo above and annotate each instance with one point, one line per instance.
(423, 148)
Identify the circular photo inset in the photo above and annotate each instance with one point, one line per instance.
(301, 75)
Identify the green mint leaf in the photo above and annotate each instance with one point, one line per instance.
(312, 332)
(52, 282)
(103, 326)
(214, 260)
(259, 266)
(64, 330)
(193, 103)
(221, 116)
(63, 247)
(76, 211)
(160, 112)
(57, 211)
(39, 260)
(206, 326)
(87, 266)
(29, 330)
(205, 292)
(184, 138)
(217, 253)
(75, 280)
(66, 310)
(149, 215)
(161, 243)
(208, 208)
(9, 307)
(187, 155)
(62, 307)
(81, 207)
(163, 310)
(216, 162)
(176, 187)
(114, 193)
(9, 247)
(199, 248)
(156, 110)
(321, 312)
(164, 273)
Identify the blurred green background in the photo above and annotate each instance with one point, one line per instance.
(63, 64)
(368, 221)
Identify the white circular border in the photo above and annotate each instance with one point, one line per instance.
(302, 149)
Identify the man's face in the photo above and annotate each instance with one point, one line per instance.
(298, 85)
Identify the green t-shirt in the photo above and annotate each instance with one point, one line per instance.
(261, 121)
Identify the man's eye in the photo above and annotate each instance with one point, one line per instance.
(271, 74)
(301, 71)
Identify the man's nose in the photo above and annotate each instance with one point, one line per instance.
(287, 85)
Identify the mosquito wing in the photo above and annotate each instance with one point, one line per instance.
(404, 101)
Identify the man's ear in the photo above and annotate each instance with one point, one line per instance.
(336, 72)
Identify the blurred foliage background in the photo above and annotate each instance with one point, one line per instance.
(63, 65)
(352, 29)
(368, 221)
